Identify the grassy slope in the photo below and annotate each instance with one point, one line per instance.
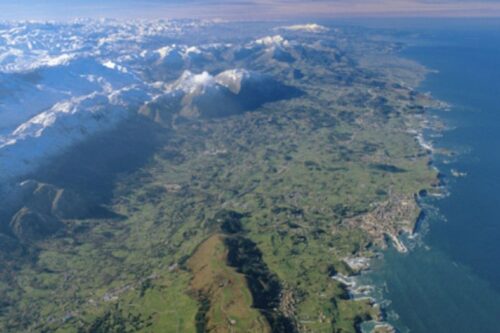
(231, 302)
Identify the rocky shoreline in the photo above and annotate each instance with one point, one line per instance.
(361, 265)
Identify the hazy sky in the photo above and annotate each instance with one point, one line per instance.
(241, 9)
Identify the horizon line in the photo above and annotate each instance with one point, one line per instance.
(256, 10)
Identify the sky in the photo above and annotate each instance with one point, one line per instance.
(242, 9)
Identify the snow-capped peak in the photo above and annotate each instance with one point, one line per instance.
(13, 61)
(172, 51)
(192, 49)
(165, 51)
(64, 124)
(234, 74)
(190, 82)
(232, 79)
(310, 27)
(63, 82)
(62, 59)
(111, 65)
(270, 41)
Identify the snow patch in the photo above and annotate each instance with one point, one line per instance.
(270, 41)
(190, 82)
(310, 27)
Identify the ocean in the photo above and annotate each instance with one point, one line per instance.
(450, 281)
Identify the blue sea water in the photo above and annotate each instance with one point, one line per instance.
(450, 282)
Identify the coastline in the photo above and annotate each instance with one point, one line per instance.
(403, 241)
(453, 258)
(356, 285)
